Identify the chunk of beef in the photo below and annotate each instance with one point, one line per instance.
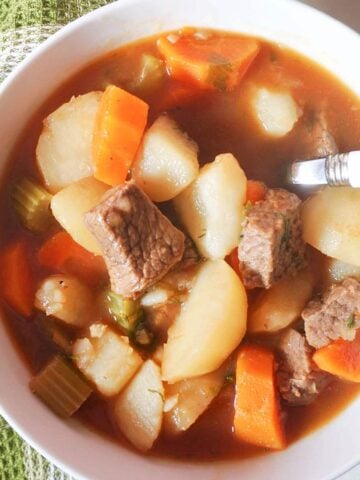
(191, 256)
(316, 139)
(298, 378)
(140, 245)
(335, 315)
(271, 245)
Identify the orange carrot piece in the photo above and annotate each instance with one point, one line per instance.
(119, 127)
(257, 412)
(17, 282)
(63, 254)
(233, 260)
(255, 191)
(212, 63)
(341, 358)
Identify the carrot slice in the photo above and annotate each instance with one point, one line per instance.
(63, 254)
(119, 127)
(17, 282)
(341, 358)
(257, 412)
(255, 191)
(233, 260)
(214, 63)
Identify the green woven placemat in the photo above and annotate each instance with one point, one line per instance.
(23, 25)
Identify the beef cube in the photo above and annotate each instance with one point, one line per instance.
(191, 256)
(298, 378)
(140, 245)
(335, 315)
(271, 246)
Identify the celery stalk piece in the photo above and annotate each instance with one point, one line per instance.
(129, 315)
(126, 312)
(61, 387)
(152, 74)
(31, 202)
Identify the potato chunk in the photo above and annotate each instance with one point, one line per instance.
(64, 149)
(70, 205)
(138, 409)
(106, 359)
(185, 401)
(282, 304)
(211, 324)
(166, 162)
(331, 223)
(66, 298)
(212, 207)
(276, 112)
(339, 270)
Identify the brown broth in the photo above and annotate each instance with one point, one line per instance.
(219, 122)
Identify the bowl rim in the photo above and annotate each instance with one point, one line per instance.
(64, 31)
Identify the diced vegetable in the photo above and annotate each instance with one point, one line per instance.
(126, 312)
(60, 252)
(185, 401)
(282, 304)
(211, 324)
(106, 359)
(166, 162)
(64, 151)
(138, 409)
(255, 191)
(119, 127)
(211, 63)
(257, 412)
(152, 75)
(17, 282)
(70, 205)
(61, 386)
(341, 358)
(340, 270)
(212, 207)
(156, 296)
(66, 298)
(331, 223)
(276, 112)
(31, 202)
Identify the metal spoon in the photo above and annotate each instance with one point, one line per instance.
(335, 170)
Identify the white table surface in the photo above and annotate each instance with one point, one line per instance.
(348, 11)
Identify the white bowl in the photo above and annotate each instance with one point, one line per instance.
(325, 453)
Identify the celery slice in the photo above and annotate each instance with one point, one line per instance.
(31, 202)
(126, 312)
(152, 74)
(61, 387)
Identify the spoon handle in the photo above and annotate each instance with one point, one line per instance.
(335, 170)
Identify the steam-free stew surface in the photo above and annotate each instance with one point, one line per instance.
(219, 122)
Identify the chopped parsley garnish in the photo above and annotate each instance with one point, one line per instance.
(219, 70)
